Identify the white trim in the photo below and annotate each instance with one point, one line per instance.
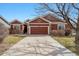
(41, 16)
(45, 20)
(16, 24)
(39, 26)
(39, 23)
(58, 26)
(48, 23)
(33, 19)
(57, 22)
(29, 30)
(48, 30)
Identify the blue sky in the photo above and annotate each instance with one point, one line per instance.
(18, 11)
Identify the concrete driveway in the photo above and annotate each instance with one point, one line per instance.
(38, 45)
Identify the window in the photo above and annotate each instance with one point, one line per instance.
(61, 26)
(17, 27)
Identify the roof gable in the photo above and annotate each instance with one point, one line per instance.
(15, 22)
(52, 18)
(39, 20)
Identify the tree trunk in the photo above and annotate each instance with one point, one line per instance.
(1, 40)
(68, 22)
(77, 36)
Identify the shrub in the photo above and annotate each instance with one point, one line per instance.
(67, 33)
(58, 32)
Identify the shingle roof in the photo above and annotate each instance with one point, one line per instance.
(4, 20)
(15, 22)
(52, 18)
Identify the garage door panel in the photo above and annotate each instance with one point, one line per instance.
(39, 30)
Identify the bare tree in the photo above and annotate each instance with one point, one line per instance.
(64, 11)
(3, 32)
(76, 6)
(60, 10)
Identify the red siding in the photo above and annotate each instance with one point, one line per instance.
(38, 21)
(53, 26)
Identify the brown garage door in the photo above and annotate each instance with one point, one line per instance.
(39, 30)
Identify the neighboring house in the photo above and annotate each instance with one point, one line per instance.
(3, 21)
(47, 24)
(16, 27)
(4, 28)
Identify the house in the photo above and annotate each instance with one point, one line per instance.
(16, 27)
(4, 28)
(47, 24)
(3, 21)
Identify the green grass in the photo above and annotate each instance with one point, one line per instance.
(12, 39)
(9, 41)
(68, 42)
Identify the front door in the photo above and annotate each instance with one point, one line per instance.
(25, 29)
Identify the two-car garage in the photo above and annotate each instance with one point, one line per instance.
(38, 26)
(39, 30)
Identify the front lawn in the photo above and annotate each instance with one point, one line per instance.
(9, 41)
(68, 42)
(12, 39)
